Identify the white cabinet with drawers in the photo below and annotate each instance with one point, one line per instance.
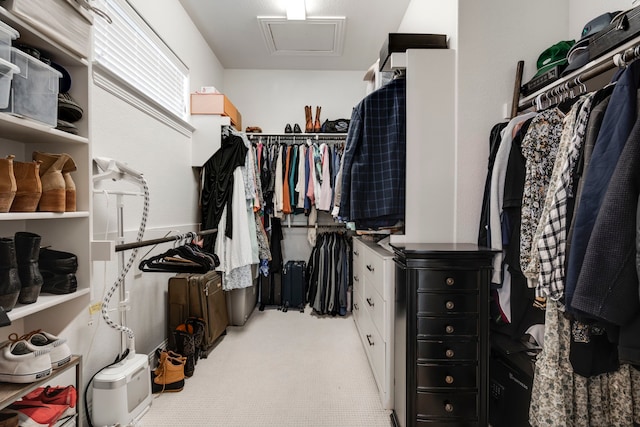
(373, 311)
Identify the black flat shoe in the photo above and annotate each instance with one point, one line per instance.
(296, 129)
(57, 261)
(287, 128)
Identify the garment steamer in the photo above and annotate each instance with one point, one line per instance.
(121, 392)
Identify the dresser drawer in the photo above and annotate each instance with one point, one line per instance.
(374, 304)
(447, 376)
(373, 269)
(448, 280)
(432, 303)
(447, 327)
(374, 346)
(446, 405)
(449, 351)
(357, 256)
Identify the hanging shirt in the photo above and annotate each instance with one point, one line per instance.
(374, 162)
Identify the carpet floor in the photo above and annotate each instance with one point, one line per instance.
(278, 370)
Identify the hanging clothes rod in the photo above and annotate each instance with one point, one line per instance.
(313, 226)
(564, 85)
(300, 136)
(181, 236)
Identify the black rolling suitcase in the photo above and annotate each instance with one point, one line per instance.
(294, 285)
(270, 290)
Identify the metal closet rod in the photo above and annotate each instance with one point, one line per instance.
(301, 136)
(618, 60)
(313, 226)
(142, 243)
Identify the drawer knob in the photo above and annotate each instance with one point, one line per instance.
(449, 353)
(371, 304)
(356, 253)
(448, 407)
(370, 268)
(369, 339)
(450, 281)
(449, 329)
(448, 379)
(450, 305)
(356, 278)
(355, 305)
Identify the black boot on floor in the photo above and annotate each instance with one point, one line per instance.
(9, 279)
(186, 346)
(27, 253)
(197, 327)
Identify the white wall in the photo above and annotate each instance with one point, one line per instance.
(272, 98)
(164, 156)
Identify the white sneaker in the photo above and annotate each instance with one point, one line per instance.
(21, 362)
(60, 353)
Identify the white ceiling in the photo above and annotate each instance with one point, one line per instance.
(236, 36)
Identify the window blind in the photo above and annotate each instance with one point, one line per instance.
(130, 49)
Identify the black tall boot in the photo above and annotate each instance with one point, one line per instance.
(196, 325)
(27, 253)
(186, 346)
(9, 279)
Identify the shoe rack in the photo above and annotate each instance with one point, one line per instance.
(66, 231)
(9, 392)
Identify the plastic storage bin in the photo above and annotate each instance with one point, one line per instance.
(7, 70)
(7, 35)
(34, 90)
(240, 304)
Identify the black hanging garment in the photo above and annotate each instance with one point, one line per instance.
(217, 188)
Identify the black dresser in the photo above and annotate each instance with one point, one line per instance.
(441, 354)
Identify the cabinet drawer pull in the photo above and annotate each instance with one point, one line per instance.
(449, 353)
(448, 407)
(449, 329)
(356, 306)
(448, 379)
(450, 281)
(356, 278)
(371, 304)
(369, 339)
(450, 305)
(370, 268)
(356, 253)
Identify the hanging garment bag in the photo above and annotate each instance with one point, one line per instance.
(198, 295)
(294, 285)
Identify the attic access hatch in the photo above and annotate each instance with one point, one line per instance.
(311, 37)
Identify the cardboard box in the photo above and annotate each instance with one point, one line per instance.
(216, 103)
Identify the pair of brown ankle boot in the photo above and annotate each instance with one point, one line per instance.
(311, 125)
(169, 374)
(45, 184)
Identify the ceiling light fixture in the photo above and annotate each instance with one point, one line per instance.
(296, 10)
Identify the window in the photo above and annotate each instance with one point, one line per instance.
(134, 63)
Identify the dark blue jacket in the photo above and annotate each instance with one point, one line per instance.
(616, 127)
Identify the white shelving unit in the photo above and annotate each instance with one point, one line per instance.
(69, 231)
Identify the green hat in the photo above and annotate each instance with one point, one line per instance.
(553, 56)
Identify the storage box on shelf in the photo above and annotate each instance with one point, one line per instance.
(7, 70)
(7, 35)
(216, 103)
(34, 91)
(66, 22)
